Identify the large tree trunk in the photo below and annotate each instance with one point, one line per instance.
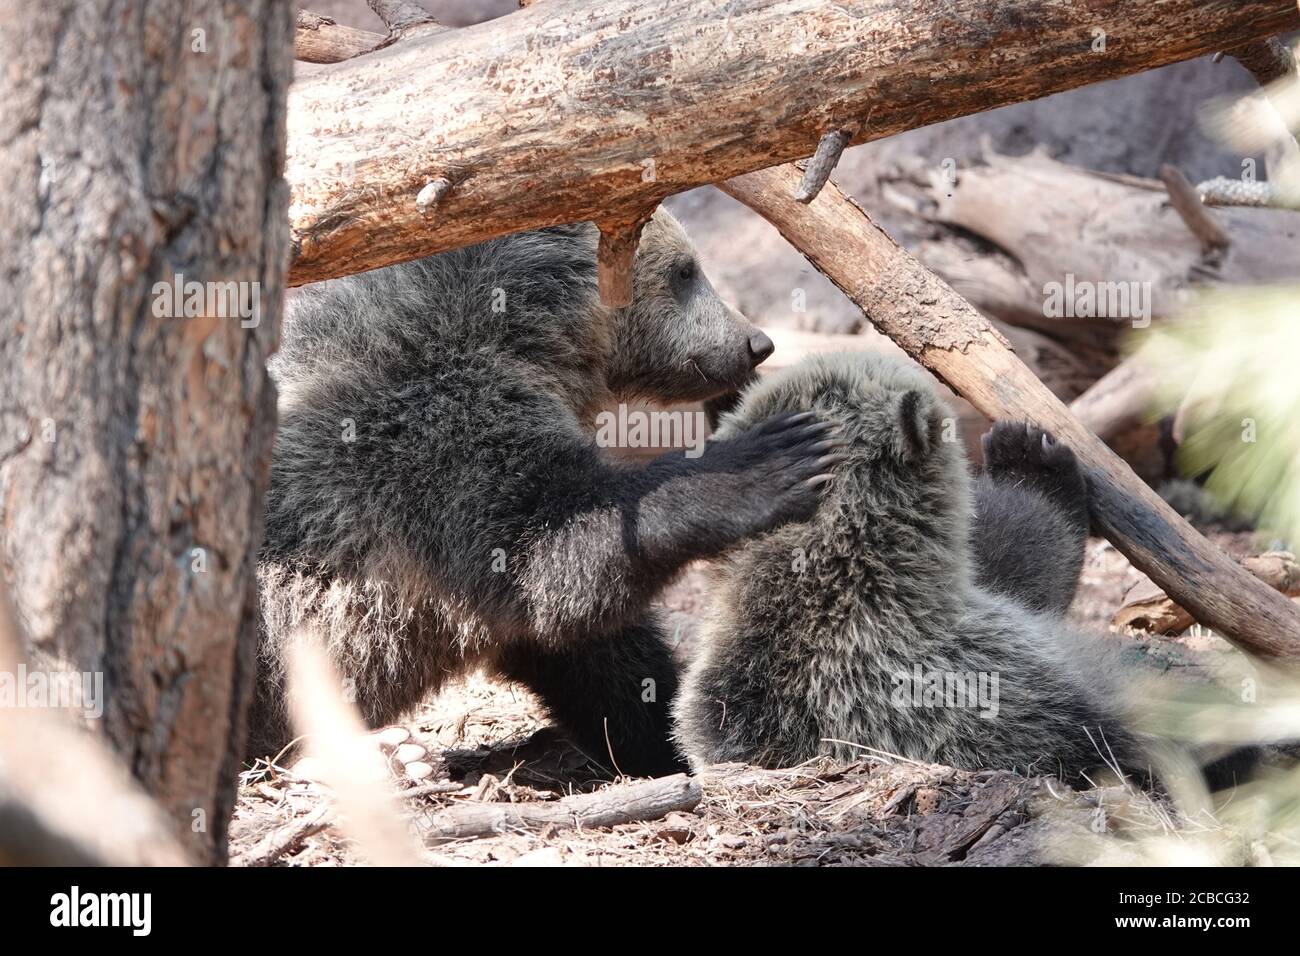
(594, 109)
(140, 140)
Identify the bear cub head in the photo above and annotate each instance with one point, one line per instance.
(904, 482)
(678, 339)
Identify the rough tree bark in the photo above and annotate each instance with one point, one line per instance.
(141, 140)
(577, 110)
(948, 335)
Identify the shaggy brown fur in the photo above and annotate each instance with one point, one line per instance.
(438, 501)
(826, 634)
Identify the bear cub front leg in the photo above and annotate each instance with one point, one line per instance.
(767, 476)
(1030, 525)
(1017, 452)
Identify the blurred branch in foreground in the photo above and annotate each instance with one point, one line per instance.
(65, 800)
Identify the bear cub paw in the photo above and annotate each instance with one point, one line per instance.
(779, 469)
(1019, 453)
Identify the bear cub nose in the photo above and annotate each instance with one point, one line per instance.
(760, 347)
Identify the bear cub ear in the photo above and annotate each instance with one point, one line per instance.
(919, 424)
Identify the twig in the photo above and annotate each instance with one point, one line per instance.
(1182, 196)
(1222, 191)
(286, 839)
(430, 790)
(350, 764)
(626, 803)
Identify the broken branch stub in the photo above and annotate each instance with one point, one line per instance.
(819, 168)
(615, 256)
(404, 18)
(431, 195)
(318, 39)
(947, 335)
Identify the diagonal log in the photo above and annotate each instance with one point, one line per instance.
(575, 110)
(947, 335)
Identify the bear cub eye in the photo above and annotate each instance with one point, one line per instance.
(684, 273)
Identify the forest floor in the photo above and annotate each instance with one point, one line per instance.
(491, 743)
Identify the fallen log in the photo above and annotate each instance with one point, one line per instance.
(1085, 279)
(615, 805)
(947, 335)
(1147, 608)
(569, 111)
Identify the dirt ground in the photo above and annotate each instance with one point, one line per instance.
(487, 743)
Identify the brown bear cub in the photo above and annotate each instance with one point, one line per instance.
(895, 620)
(438, 501)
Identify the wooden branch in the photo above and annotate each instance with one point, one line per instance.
(556, 113)
(615, 805)
(947, 335)
(1119, 400)
(1147, 608)
(1039, 216)
(65, 800)
(318, 39)
(1187, 203)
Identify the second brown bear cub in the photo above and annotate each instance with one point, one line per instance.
(897, 619)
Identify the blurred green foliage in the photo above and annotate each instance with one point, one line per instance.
(1231, 369)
